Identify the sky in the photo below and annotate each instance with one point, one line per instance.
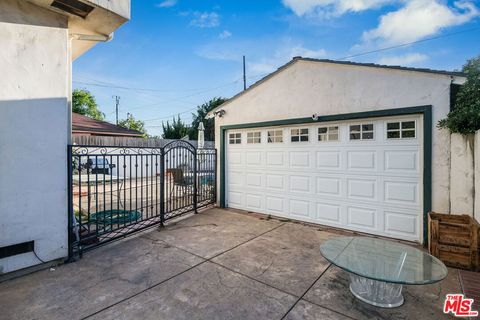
(176, 54)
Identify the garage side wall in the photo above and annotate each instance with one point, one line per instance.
(34, 63)
(308, 87)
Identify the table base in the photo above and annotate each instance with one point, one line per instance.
(377, 293)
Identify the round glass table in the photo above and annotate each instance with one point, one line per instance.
(379, 268)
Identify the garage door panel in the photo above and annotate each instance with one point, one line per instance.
(330, 213)
(254, 179)
(275, 181)
(254, 201)
(299, 208)
(328, 186)
(404, 161)
(275, 204)
(235, 158)
(253, 158)
(235, 199)
(361, 217)
(402, 192)
(402, 224)
(299, 159)
(329, 160)
(372, 186)
(235, 178)
(299, 183)
(362, 189)
(362, 160)
(275, 159)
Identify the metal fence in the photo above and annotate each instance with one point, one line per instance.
(116, 191)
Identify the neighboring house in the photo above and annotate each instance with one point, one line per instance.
(341, 144)
(39, 40)
(85, 126)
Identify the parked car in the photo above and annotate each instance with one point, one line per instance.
(98, 165)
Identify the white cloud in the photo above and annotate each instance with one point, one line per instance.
(206, 20)
(260, 60)
(225, 34)
(327, 8)
(409, 59)
(167, 4)
(419, 19)
(282, 56)
(219, 52)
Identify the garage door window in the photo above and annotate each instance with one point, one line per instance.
(361, 132)
(254, 137)
(401, 130)
(328, 133)
(299, 135)
(235, 138)
(275, 136)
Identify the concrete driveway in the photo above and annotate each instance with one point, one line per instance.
(219, 264)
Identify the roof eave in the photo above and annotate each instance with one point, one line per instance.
(367, 65)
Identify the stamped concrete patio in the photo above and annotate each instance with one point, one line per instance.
(219, 264)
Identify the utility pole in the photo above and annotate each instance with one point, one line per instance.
(128, 118)
(117, 102)
(244, 75)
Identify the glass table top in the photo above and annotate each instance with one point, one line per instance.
(383, 260)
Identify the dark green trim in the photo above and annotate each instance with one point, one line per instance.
(222, 168)
(426, 111)
(427, 170)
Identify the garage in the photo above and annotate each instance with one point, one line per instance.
(363, 175)
(341, 144)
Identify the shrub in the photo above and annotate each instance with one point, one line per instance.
(465, 117)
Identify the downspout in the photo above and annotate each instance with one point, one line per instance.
(69, 91)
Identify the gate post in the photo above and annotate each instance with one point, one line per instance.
(162, 187)
(195, 173)
(215, 190)
(70, 202)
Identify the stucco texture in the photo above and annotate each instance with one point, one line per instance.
(34, 61)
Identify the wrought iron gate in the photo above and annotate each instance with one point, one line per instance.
(116, 191)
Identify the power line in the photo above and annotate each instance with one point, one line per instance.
(114, 86)
(262, 75)
(171, 116)
(389, 48)
(408, 44)
(179, 98)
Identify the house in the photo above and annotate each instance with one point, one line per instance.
(85, 126)
(40, 39)
(342, 144)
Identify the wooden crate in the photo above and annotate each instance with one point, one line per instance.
(454, 240)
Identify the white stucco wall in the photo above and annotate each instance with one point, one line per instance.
(119, 7)
(34, 64)
(462, 174)
(476, 157)
(309, 87)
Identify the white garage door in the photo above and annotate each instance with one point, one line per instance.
(360, 175)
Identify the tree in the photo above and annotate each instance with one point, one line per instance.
(133, 124)
(465, 117)
(176, 130)
(209, 124)
(83, 102)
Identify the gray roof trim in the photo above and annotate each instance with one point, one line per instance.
(348, 63)
(383, 66)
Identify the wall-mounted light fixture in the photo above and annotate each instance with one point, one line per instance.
(220, 113)
(92, 37)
